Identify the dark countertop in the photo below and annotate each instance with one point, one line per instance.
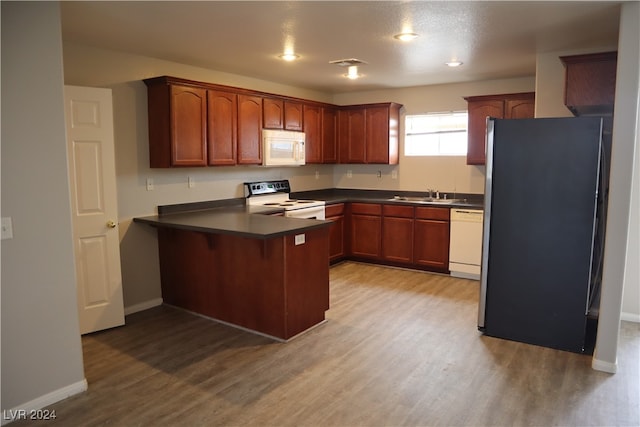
(232, 216)
(238, 220)
(343, 195)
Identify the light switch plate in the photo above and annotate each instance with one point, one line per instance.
(150, 184)
(7, 228)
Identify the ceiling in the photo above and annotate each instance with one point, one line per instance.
(492, 39)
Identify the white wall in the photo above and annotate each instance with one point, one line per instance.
(41, 349)
(620, 269)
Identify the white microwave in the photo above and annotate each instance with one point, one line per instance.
(282, 148)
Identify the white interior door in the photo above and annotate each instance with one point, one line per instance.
(90, 150)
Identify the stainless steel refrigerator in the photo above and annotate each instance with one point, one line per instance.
(543, 221)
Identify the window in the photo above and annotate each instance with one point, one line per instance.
(436, 134)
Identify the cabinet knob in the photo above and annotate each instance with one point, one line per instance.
(111, 224)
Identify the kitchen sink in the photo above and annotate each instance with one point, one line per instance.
(425, 200)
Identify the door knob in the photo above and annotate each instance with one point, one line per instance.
(111, 224)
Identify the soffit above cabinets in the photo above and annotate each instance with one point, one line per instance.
(492, 39)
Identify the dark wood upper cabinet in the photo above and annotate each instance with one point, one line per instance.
(198, 124)
(590, 83)
(505, 106)
(313, 133)
(188, 126)
(369, 133)
(278, 113)
(222, 127)
(177, 124)
(293, 116)
(351, 139)
(329, 135)
(273, 113)
(249, 130)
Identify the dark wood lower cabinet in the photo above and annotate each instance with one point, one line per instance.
(397, 233)
(431, 240)
(335, 213)
(365, 230)
(271, 286)
(402, 235)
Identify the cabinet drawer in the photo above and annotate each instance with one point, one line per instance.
(366, 209)
(397, 211)
(432, 213)
(334, 210)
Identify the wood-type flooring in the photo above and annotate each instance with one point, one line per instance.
(400, 348)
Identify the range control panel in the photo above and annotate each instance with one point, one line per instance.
(266, 187)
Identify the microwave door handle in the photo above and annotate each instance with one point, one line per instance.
(296, 151)
(300, 149)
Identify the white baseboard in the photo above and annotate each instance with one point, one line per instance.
(25, 411)
(630, 317)
(601, 365)
(142, 306)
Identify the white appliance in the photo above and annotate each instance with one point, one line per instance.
(283, 148)
(276, 194)
(465, 246)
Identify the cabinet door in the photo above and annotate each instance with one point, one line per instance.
(329, 135)
(222, 127)
(352, 135)
(377, 135)
(477, 127)
(397, 235)
(590, 83)
(365, 236)
(336, 238)
(293, 116)
(431, 244)
(313, 133)
(273, 113)
(188, 126)
(519, 108)
(249, 130)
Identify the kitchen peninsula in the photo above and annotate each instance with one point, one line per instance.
(241, 266)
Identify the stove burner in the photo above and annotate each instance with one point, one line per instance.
(272, 204)
(285, 204)
(305, 201)
(291, 201)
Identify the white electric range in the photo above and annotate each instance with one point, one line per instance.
(276, 194)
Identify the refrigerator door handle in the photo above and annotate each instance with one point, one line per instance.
(482, 301)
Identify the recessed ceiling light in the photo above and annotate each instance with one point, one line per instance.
(289, 57)
(453, 63)
(405, 37)
(352, 73)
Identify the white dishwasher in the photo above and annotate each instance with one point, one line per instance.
(465, 245)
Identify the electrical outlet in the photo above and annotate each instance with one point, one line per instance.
(317, 175)
(299, 239)
(191, 182)
(379, 174)
(394, 174)
(7, 228)
(150, 186)
(349, 174)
